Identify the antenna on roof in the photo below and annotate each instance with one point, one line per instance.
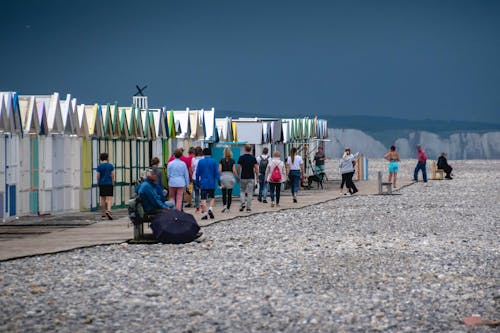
(139, 100)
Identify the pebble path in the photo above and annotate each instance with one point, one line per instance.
(419, 261)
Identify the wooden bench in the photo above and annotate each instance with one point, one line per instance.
(138, 217)
(437, 174)
(382, 184)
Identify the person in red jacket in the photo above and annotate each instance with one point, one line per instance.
(421, 164)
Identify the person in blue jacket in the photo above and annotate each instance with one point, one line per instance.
(207, 178)
(151, 194)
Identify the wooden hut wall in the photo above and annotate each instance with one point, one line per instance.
(2, 178)
(45, 190)
(24, 183)
(72, 174)
(11, 174)
(86, 174)
(59, 160)
(34, 174)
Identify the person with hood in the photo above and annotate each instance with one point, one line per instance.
(442, 164)
(151, 194)
(346, 169)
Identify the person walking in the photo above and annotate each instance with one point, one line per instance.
(227, 169)
(263, 161)
(198, 155)
(178, 179)
(393, 157)
(346, 169)
(421, 164)
(275, 176)
(207, 176)
(248, 171)
(295, 171)
(105, 180)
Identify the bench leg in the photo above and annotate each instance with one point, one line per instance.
(138, 231)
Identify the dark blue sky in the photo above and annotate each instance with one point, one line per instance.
(407, 59)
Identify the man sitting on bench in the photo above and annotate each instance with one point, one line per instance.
(151, 194)
(442, 164)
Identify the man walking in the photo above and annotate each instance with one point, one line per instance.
(207, 177)
(248, 169)
(421, 164)
(262, 161)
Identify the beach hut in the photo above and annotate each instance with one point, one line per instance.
(87, 115)
(29, 159)
(11, 154)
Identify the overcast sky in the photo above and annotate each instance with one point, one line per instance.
(407, 59)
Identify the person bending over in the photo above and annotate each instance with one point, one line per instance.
(151, 194)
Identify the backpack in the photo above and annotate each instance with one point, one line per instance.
(275, 175)
(263, 165)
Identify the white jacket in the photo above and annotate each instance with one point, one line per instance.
(346, 163)
(273, 162)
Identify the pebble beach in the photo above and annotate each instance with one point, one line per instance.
(417, 261)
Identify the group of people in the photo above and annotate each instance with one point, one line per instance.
(205, 174)
(393, 157)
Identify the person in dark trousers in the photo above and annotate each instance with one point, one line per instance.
(248, 171)
(421, 164)
(227, 169)
(295, 171)
(442, 164)
(262, 161)
(207, 177)
(346, 169)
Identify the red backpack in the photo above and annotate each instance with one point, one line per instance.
(275, 175)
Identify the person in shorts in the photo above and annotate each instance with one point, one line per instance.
(207, 177)
(105, 180)
(393, 157)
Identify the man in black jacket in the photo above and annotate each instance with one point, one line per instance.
(442, 164)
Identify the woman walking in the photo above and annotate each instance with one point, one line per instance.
(393, 157)
(227, 171)
(295, 171)
(105, 179)
(178, 179)
(275, 175)
(347, 170)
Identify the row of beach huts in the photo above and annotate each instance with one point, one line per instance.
(49, 147)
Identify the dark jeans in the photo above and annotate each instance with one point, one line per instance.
(262, 188)
(350, 184)
(227, 197)
(294, 177)
(275, 187)
(420, 166)
(344, 180)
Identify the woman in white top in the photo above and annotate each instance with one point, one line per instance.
(295, 171)
(275, 175)
(346, 169)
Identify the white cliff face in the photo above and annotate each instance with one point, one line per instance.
(357, 140)
(458, 146)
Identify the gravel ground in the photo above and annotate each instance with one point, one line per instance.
(420, 261)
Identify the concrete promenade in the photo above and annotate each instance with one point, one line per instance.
(29, 236)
